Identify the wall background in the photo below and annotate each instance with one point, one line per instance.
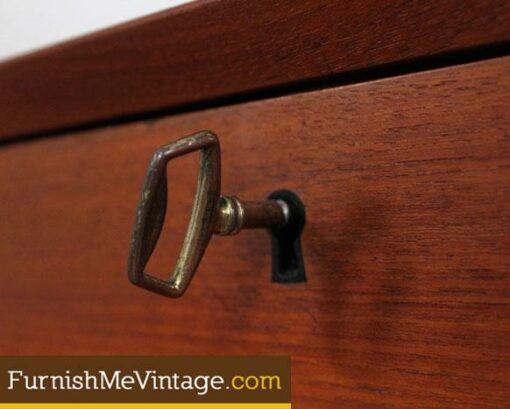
(26, 25)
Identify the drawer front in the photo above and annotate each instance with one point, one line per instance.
(406, 185)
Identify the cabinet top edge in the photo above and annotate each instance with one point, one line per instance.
(208, 50)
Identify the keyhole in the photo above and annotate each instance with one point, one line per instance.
(287, 256)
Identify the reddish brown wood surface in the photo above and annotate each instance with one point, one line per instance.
(214, 49)
(406, 183)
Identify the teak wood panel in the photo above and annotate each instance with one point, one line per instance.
(214, 49)
(406, 184)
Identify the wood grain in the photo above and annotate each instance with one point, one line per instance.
(214, 49)
(406, 183)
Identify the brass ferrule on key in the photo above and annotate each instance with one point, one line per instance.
(232, 215)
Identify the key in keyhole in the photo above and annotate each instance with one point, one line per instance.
(287, 256)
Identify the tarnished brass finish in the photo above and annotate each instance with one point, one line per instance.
(211, 213)
(233, 215)
(151, 211)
